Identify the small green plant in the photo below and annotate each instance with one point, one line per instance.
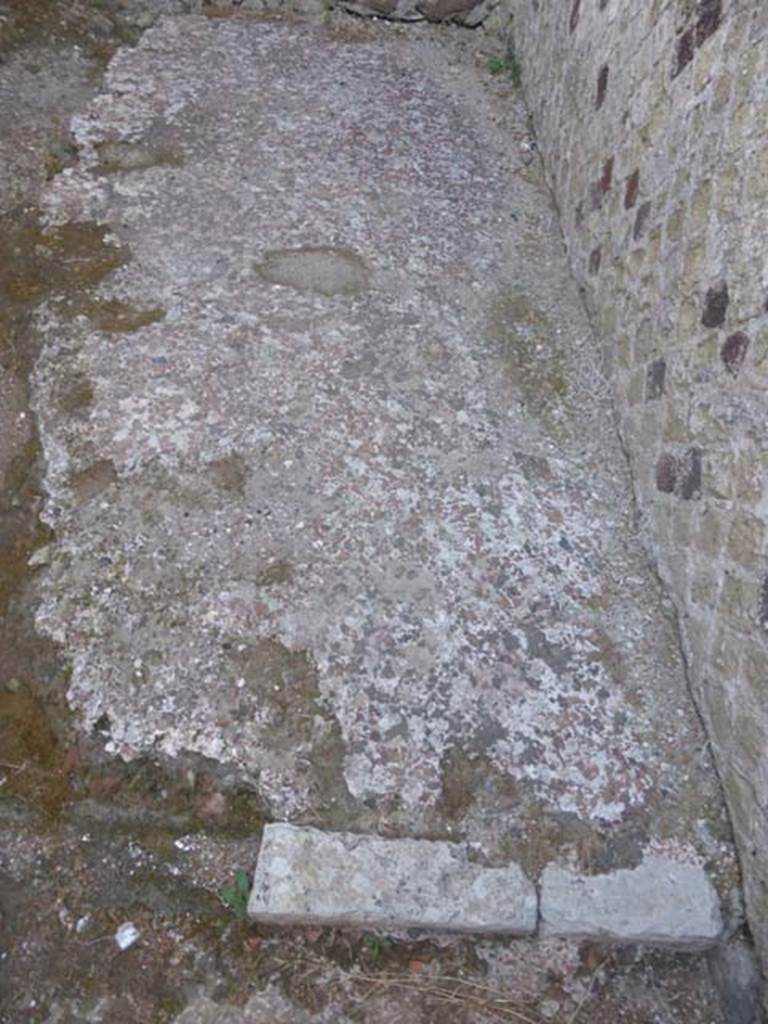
(235, 896)
(60, 155)
(507, 64)
(376, 946)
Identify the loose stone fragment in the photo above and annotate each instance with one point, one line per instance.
(126, 935)
(306, 876)
(661, 902)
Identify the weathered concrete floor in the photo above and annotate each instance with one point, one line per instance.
(331, 468)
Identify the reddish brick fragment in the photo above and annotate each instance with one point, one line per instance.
(710, 13)
(602, 86)
(666, 473)
(715, 306)
(632, 190)
(574, 15)
(606, 178)
(684, 51)
(641, 221)
(734, 351)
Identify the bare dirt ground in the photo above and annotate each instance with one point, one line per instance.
(145, 573)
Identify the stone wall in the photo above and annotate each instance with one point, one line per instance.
(652, 119)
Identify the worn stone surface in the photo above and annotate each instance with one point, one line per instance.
(674, 94)
(462, 12)
(660, 902)
(269, 1007)
(306, 876)
(371, 546)
(736, 973)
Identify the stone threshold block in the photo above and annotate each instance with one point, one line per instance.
(660, 903)
(307, 876)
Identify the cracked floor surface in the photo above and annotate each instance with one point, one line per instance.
(331, 472)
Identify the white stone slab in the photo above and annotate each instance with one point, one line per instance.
(268, 1007)
(661, 902)
(306, 876)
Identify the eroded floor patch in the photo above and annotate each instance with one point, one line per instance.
(324, 270)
